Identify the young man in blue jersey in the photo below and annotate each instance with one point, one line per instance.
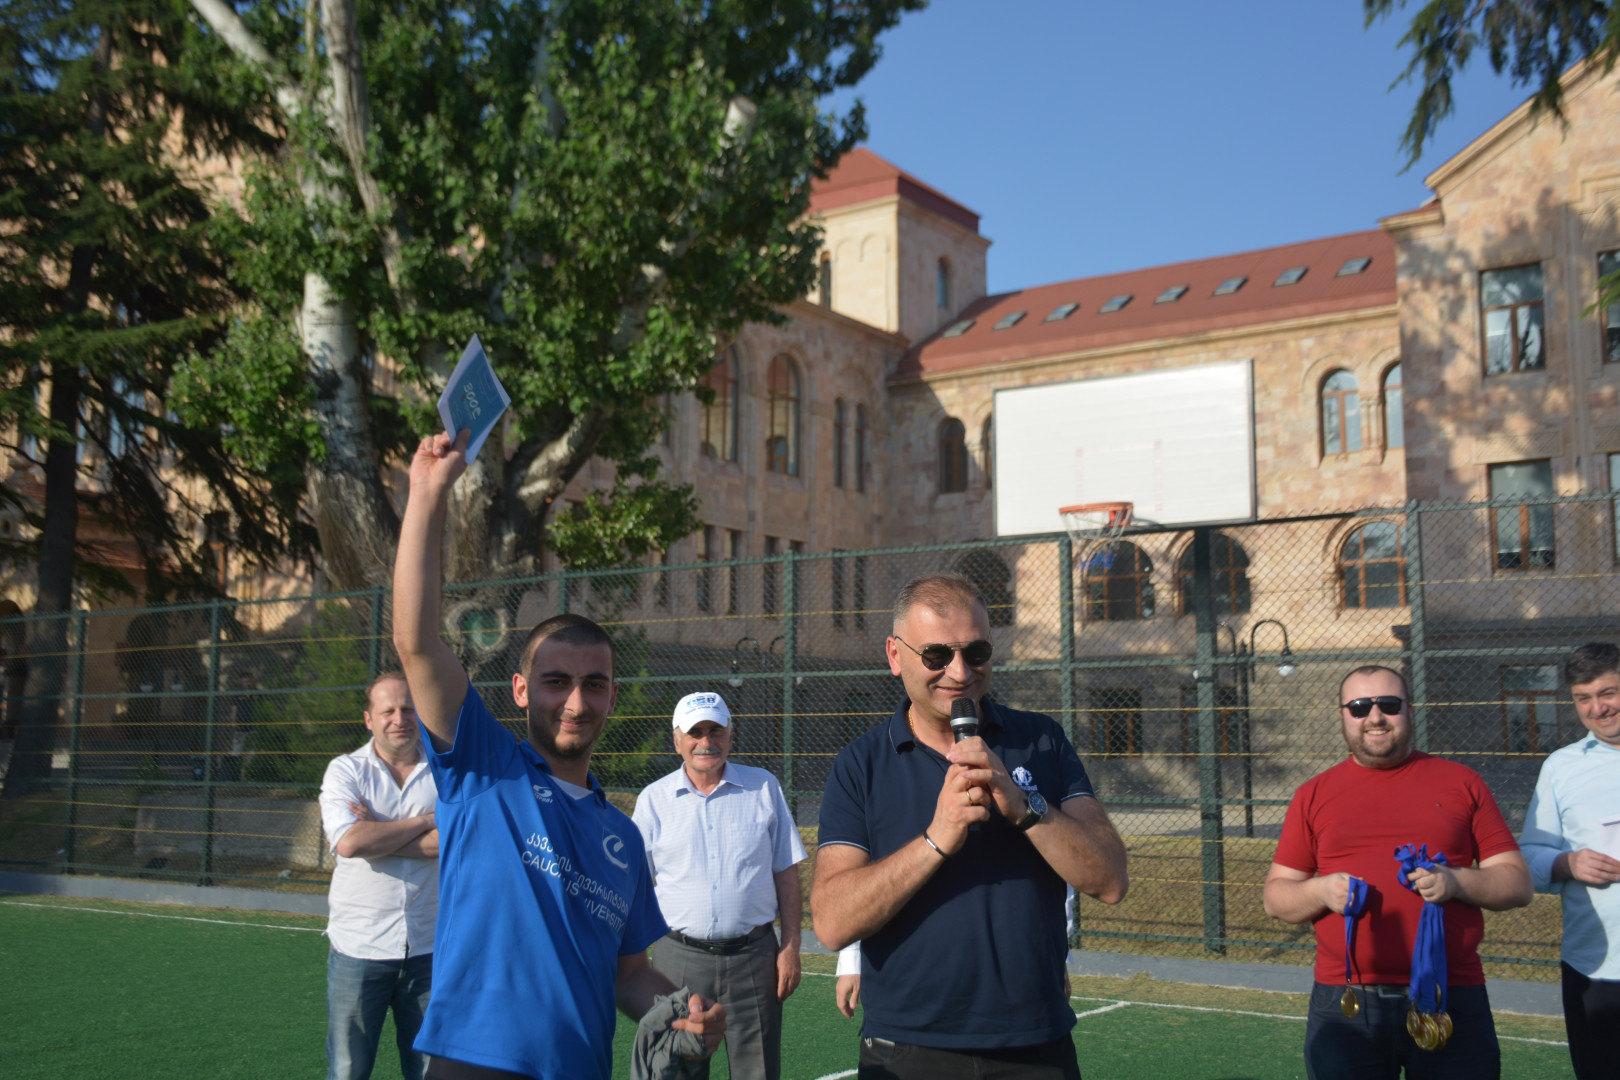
(546, 906)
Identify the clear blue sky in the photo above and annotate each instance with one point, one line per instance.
(1100, 137)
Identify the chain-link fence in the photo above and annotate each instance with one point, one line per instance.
(1195, 670)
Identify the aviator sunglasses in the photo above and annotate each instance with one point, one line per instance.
(937, 657)
(1389, 705)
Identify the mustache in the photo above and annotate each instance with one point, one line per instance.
(706, 753)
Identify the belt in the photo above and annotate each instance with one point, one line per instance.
(1390, 989)
(723, 946)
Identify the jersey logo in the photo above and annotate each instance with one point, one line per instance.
(544, 794)
(611, 847)
(1021, 777)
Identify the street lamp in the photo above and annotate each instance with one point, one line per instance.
(1286, 667)
(1244, 669)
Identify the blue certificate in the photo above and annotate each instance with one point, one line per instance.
(473, 398)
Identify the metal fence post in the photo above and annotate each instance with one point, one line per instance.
(790, 645)
(1210, 811)
(1417, 642)
(210, 712)
(75, 720)
(375, 659)
(1067, 698)
(563, 597)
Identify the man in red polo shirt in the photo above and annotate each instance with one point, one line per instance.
(1345, 824)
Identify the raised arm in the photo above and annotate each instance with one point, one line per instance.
(438, 681)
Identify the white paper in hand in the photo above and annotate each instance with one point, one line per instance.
(473, 398)
(1609, 838)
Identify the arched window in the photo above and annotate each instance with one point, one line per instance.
(942, 284)
(838, 443)
(995, 583)
(1341, 414)
(720, 414)
(986, 446)
(953, 456)
(1119, 584)
(782, 433)
(1372, 567)
(1394, 423)
(1230, 570)
(826, 281)
(860, 448)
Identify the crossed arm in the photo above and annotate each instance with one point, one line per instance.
(415, 837)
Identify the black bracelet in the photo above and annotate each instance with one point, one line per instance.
(930, 842)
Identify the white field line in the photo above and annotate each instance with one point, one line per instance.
(837, 1075)
(153, 915)
(1115, 1003)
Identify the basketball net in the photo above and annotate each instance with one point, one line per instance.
(1094, 529)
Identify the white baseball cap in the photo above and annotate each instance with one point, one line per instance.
(693, 709)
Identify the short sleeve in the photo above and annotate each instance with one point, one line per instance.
(843, 804)
(338, 790)
(1491, 833)
(1297, 847)
(1071, 774)
(482, 752)
(644, 923)
(1543, 838)
(786, 847)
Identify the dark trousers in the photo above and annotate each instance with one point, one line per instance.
(745, 983)
(885, 1060)
(1592, 1018)
(1374, 1045)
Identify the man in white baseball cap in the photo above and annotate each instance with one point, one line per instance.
(723, 850)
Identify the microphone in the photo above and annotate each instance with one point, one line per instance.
(964, 719)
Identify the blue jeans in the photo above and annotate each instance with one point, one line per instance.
(1374, 1044)
(358, 994)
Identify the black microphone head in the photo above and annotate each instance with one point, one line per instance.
(964, 718)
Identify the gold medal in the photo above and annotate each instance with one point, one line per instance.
(1349, 1004)
(1413, 1027)
(1445, 1029)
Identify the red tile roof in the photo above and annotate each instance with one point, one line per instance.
(1320, 292)
(861, 176)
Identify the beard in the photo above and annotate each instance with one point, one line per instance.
(1386, 755)
(543, 733)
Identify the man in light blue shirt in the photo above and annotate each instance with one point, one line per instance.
(1569, 841)
(724, 852)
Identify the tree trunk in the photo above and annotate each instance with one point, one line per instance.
(357, 523)
(58, 541)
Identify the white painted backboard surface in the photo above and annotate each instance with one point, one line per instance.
(1179, 443)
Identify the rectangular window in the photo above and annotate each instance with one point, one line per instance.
(1523, 534)
(705, 574)
(768, 577)
(734, 575)
(1530, 709)
(860, 592)
(1228, 720)
(1614, 486)
(1608, 263)
(860, 448)
(838, 443)
(1116, 721)
(1510, 307)
(838, 589)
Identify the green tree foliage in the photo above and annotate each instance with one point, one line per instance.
(109, 277)
(302, 732)
(1533, 41)
(600, 189)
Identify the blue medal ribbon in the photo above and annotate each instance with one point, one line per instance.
(1354, 905)
(1428, 986)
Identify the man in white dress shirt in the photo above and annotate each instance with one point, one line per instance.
(377, 807)
(723, 851)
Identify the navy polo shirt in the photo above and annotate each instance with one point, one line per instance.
(975, 959)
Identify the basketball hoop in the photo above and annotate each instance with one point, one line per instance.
(1094, 528)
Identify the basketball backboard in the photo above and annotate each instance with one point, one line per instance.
(1178, 443)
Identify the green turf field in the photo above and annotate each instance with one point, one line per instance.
(101, 988)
